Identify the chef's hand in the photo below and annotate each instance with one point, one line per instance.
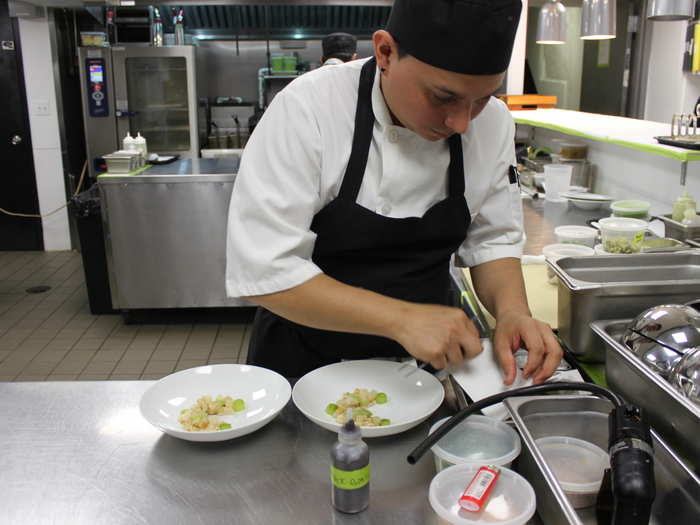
(516, 330)
(439, 335)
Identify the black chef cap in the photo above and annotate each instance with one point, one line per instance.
(464, 36)
(339, 45)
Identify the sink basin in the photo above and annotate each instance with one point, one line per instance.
(586, 417)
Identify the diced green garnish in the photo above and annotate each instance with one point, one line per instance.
(183, 411)
(224, 426)
(238, 405)
(384, 422)
(381, 398)
(331, 408)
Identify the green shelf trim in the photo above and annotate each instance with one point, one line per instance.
(131, 174)
(683, 156)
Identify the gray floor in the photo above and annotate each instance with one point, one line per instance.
(53, 336)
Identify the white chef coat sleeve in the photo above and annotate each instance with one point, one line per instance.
(275, 197)
(496, 230)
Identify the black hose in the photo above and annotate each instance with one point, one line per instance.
(455, 420)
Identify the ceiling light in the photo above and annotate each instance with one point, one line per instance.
(598, 19)
(668, 10)
(551, 23)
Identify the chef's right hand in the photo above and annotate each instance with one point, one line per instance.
(439, 335)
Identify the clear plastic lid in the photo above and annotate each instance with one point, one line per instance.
(578, 465)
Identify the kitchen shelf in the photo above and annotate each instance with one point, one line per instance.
(626, 132)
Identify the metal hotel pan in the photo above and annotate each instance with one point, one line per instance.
(615, 286)
(676, 418)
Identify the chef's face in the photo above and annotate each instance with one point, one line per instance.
(432, 102)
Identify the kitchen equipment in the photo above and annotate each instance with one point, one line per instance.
(578, 466)
(571, 150)
(574, 234)
(630, 208)
(554, 252)
(678, 230)
(412, 396)
(670, 413)
(587, 201)
(586, 418)
(621, 235)
(153, 90)
(557, 179)
(660, 335)
(614, 286)
(512, 500)
(123, 161)
(263, 391)
(477, 439)
(686, 375)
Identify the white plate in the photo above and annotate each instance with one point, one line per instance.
(264, 392)
(413, 393)
(573, 195)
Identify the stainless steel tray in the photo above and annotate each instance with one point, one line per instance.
(586, 417)
(614, 286)
(678, 230)
(675, 417)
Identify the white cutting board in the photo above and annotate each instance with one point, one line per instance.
(482, 376)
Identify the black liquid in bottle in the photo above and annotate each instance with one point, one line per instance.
(350, 470)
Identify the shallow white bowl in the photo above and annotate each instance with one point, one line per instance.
(265, 393)
(413, 393)
(586, 204)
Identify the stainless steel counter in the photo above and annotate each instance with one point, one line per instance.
(541, 217)
(165, 235)
(80, 453)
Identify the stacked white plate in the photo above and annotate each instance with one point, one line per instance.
(587, 201)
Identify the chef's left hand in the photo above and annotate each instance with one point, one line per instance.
(516, 330)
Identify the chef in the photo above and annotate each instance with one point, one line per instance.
(338, 48)
(360, 183)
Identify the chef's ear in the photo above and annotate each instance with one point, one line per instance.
(386, 50)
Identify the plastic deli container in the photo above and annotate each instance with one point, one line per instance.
(554, 252)
(578, 466)
(622, 234)
(477, 439)
(582, 235)
(633, 209)
(512, 500)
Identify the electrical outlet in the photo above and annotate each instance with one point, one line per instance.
(41, 108)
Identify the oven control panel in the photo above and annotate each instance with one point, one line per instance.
(97, 87)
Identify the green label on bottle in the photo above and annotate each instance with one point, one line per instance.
(350, 479)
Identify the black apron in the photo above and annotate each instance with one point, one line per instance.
(405, 258)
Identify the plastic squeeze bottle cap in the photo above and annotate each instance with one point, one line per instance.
(349, 432)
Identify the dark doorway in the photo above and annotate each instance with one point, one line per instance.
(18, 192)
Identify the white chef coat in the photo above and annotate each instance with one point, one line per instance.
(294, 162)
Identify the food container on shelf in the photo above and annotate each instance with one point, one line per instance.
(93, 39)
(554, 252)
(630, 208)
(622, 234)
(574, 234)
(512, 500)
(477, 439)
(578, 466)
(572, 150)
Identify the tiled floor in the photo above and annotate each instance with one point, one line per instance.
(53, 335)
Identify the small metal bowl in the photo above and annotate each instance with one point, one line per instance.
(686, 375)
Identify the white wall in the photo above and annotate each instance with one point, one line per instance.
(515, 80)
(669, 89)
(43, 121)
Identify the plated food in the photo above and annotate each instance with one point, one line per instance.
(355, 405)
(177, 403)
(412, 393)
(202, 415)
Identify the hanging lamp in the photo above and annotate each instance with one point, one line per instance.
(551, 23)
